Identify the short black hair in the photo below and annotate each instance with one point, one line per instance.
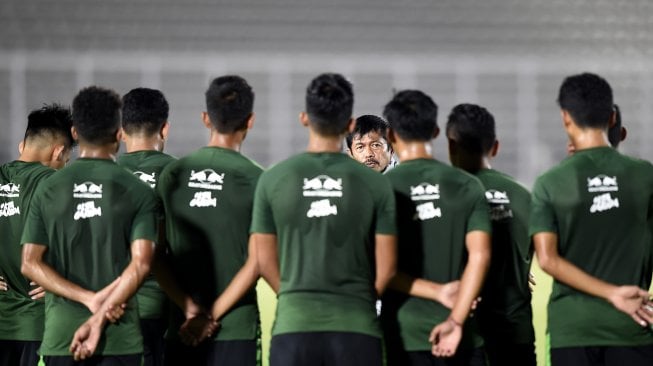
(144, 111)
(588, 99)
(51, 120)
(366, 124)
(614, 132)
(329, 103)
(472, 127)
(96, 115)
(412, 115)
(229, 103)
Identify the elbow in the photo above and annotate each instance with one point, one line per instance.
(26, 268)
(547, 263)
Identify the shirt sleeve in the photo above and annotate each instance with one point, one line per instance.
(34, 229)
(144, 225)
(542, 217)
(479, 217)
(262, 216)
(386, 209)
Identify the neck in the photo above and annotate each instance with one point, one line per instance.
(589, 138)
(471, 163)
(107, 151)
(231, 141)
(319, 143)
(413, 150)
(35, 156)
(140, 143)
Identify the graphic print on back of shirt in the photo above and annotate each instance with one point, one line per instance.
(599, 184)
(148, 178)
(322, 186)
(426, 192)
(87, 209)
(9, 208)
(498, 201)
(209, 181)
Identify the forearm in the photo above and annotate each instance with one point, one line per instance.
(169, 284)
(417, 287)
(44, 275)
(478, 262)
(569, 274)
(244, 280)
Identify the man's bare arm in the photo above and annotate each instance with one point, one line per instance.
(444, 293)
(627, 299)
(268, 258)
(478, 261)
(385, 252)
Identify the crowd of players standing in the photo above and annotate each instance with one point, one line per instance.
(148, 247)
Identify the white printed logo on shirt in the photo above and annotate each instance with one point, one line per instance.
(322, 208)
(206, 179)
(426, 192)
(203, 199)
(146, 178)
(10, 190)
(494, 196)
(86, 210)
(322, 186)
(602, 183)
(427, 211)
(604, 202)
(87, 190)
(8, 209)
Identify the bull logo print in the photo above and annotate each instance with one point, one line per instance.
(206, 179)
(87, 190)
(322, 186)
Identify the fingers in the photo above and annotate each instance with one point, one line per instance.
(638, 319)
(114, 313)
(645, 313)
(37, 293)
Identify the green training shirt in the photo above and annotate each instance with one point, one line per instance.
(21, 318)
(325, 209)
(505, 313)
(88, 214)
(207, 198)
(147, 166)
(600, 204)
(437, 205)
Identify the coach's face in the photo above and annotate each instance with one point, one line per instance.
(371, 149)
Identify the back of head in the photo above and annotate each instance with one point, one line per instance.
(144, 111)
(472, 128)
(96, 115)
(615, 134)
(365, 124)
(49, 123)
(412, 115)
(329, 104)
(588, 99)
(229, 103)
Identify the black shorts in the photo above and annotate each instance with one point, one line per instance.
(504, 353)
(602, 356)
(153, 331)
(123, 360)
(473, 357)
(224, 353)
(325, 348)
(19, 353)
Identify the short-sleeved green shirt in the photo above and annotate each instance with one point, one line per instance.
(21, 318)
(147, 166)
(325, 209)
(600, 204)
(437, 205)
(506, 308)
(88, 214)
(207, 198)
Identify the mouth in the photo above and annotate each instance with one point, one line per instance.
(371, 163)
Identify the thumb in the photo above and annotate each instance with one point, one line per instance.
(435, 334)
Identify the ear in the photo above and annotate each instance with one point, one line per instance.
(348, 151)
(58, 153)
(21, 147)
(165, 129)
(613, 119)
(207, 120)
(351, 125)
(392, 137)
(251, 120)
(624, 133)
(303, 119)
(123, 135)
(567, 121)
(436, 132)
(495, 149)
(73, 131)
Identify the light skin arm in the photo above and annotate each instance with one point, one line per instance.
(627, 299)
(88, 334)
(445, 293)
(385, 252)
(35, 268)
(446, 336)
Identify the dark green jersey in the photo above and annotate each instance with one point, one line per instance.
(147, 166)
(207, 198)
(437, 205)
(325, 209)
(506, 309)
(88, 214)
(21, 318)
(600, 205)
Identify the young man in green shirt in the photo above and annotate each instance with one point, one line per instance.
(46, 146)
(368, 143)
(144, 131)
(443, 236)
(208, 197)
(89, 240)
(590, 224)
(505, 316)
